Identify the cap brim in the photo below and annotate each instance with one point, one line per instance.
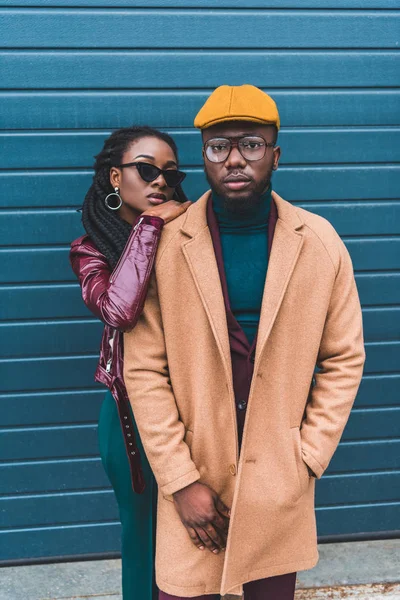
(236, 118)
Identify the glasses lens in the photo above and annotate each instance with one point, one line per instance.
(252, 147)
(148, 172)
(217, 149)
(173, 177)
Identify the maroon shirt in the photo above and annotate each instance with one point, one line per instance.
(242, 353)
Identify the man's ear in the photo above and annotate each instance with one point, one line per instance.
(277, 155)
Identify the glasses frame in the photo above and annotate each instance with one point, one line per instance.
(235, 144)
(163, 172)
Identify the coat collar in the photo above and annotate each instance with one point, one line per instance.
(199, 253)
(285, 251)
(196, 216)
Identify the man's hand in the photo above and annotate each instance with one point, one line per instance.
(204, 515)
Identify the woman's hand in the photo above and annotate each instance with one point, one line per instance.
(168, 210)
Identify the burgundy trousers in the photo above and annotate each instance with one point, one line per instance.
(280, 587)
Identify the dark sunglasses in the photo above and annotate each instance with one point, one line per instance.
(149, 172)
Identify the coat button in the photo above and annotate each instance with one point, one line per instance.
(242, 405)
(232, 470)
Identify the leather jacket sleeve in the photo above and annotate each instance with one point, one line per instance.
(117, 297)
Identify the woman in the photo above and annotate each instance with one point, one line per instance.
(135, 190)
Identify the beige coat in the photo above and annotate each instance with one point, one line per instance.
(178, 376)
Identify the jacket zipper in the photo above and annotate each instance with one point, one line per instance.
(110, 359)
(138, 223)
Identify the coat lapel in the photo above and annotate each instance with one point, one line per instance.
(199, 254)
(285, 251)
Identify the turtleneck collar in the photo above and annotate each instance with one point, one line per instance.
(254, 220)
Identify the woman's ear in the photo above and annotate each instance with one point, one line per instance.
(115, 177)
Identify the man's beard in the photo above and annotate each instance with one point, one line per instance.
(243, 205)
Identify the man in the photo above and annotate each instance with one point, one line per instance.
(250, 294)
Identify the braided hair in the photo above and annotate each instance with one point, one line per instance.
(106, 228)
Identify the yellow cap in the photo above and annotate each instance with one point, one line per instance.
(237, 103)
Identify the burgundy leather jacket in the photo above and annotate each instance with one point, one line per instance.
(117, 298)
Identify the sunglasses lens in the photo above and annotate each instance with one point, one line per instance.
(148, 172)
(173, 178)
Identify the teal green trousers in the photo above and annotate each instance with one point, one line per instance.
(137, 512)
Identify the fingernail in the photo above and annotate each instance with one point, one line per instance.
(215, 551)
(201, 547)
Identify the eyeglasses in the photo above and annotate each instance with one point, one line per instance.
(149, 172)
(251, 147)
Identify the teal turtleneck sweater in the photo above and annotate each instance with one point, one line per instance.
(244, 242)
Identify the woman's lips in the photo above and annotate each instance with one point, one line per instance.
(237, 185)
(157, 199)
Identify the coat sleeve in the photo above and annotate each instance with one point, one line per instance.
(117, 296)
(152, 399)
(340, 364)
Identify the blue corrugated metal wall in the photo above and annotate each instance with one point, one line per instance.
(69, 76)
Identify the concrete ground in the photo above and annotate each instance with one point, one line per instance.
(354, 570)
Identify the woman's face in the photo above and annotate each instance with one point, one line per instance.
(138, 195)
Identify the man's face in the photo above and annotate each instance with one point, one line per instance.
(239, 181)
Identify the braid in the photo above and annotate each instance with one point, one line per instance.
(105, 228)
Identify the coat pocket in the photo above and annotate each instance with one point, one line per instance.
(301, 467)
